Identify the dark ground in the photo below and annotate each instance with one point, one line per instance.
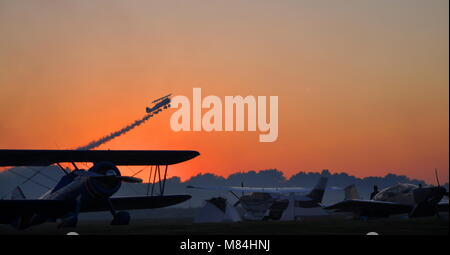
(183, 226)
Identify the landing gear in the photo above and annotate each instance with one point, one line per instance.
(69, 221)
(119, 218)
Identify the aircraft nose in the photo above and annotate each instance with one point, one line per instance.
(110, 172)
(443, 191)
(438, 192)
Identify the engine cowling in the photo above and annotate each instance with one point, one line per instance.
(100, 188)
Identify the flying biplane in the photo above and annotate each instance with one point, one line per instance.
(89, 190)
(162, 102)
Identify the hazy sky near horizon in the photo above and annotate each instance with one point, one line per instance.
(362, 85)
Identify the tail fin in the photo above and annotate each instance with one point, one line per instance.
(351, 192)
(317, 193)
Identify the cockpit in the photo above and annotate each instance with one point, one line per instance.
(393, 193)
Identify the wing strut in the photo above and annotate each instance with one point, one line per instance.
(149, 179)
(156, 177)
(164, 180)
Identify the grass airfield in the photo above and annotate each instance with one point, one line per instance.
(184, 226)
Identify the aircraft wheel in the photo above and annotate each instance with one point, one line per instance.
(70, 221)
(121, 218)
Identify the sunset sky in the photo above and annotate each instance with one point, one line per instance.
(363, 85)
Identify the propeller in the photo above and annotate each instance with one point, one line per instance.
(438, 183)
(239, 198)
(129, 179)
(437, 177)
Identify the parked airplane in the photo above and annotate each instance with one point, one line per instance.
(90, 190)
(403, 198)
(163, 102)
(277, 203)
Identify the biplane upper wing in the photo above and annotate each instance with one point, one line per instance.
(251, 189)
(117, 157)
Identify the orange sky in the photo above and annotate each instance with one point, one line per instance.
(362, 85)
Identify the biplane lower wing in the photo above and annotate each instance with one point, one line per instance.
(10, 209)
(57, 208)
(117, 157)
(134, 203)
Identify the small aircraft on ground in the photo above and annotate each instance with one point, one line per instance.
(89, 190)
(277, 203)
(403, 198)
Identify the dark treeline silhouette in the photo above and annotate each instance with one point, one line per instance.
(263, 178)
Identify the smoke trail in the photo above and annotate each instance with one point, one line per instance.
(108, 138)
